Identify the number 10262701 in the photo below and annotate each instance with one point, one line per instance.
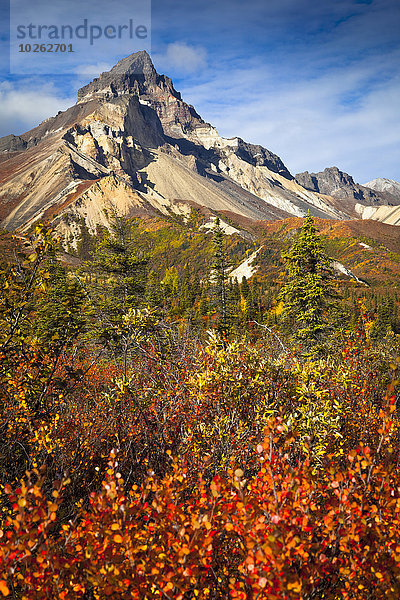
(45, 48)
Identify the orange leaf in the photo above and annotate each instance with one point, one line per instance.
(3, 588)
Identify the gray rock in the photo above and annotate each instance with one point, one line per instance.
(336, 183)
(261, 157)
(134, 74)
(389, 187)
(12, 143)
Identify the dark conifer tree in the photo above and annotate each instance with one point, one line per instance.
(122, 284)
(308, 292)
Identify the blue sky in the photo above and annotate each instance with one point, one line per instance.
(318, 83)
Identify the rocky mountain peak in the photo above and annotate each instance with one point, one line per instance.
(334, 182)
(138, 63)
(135, 77)
(135, 74)
(326, 181)
(131, 139)
(384, 185)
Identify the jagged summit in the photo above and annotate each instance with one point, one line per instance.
(138, 63)
(135, 74)
(326, 181)
(341, 185)
(136, 77)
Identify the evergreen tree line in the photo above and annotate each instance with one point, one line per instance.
(120, 305)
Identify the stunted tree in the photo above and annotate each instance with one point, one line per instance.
(42, 316)
(117, 256)
(121, 286)
(308, 292)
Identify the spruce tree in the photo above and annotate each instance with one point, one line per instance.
(308, 291)
(117, 257)
(122, 284)
(384, 320)
(60, 317)
(244, 288)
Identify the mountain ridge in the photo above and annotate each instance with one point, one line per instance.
(382, 184)
(131, 144)
(334, 182)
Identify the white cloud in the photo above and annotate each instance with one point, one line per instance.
(25, 105)
(346, 117)
(93, 70)
(180, 58)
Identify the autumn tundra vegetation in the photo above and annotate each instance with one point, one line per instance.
(178, 439)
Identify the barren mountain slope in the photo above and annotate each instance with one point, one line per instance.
(132, 143)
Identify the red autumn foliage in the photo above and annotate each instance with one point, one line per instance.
(286, 532)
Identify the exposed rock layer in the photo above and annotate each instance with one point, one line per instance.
(132, 144)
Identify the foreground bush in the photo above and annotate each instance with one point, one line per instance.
(285, 533)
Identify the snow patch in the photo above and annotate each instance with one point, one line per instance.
(52, 131)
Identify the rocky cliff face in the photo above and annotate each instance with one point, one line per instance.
(342, 186)
(328, 181)
(131, 137)
(12, 143)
